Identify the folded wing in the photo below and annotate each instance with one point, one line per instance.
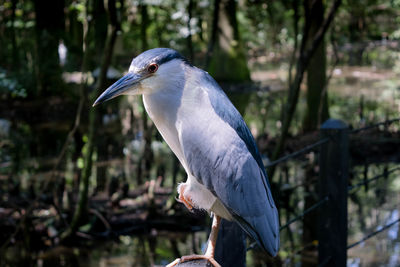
(221, 153)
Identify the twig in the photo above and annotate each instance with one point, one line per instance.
(328, 79)
(101, 217)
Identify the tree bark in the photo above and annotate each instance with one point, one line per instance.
(100, 28)
(296, 18)
(15, 57)
(316, 82)
(144, 165)
(49, 29)
(143, 25)
(316, 70)
(214, 32)
(226, 57)
(189, 37)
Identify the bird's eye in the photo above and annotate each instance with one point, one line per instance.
(152, 68)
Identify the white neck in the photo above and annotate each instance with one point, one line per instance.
(163, 101)
(162, 93)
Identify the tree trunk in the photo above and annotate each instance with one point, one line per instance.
(74, 40)
(100, 25)
(144, 24)
(82, 198)
(49, 29)
(214, 32)
(356, 29)
(15, 57)
(227, 59)
(316, 82)
(316, 70)
(146, 159)
(189, 37)
(100, 28)
(296, 18)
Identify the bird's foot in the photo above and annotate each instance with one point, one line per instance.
(185, 200)
(183, 259)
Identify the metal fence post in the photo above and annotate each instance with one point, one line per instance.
(333, 182)
(231, 245)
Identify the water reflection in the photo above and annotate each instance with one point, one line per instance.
(382, 249)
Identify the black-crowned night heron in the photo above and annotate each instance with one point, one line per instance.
(225, 172)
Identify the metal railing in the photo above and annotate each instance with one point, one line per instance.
(334, 190)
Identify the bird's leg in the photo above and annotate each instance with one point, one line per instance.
(209, 255)
(185, 200)
(212, 240)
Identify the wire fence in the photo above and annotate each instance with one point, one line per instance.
(365, 238)
(376, 125)
(377, 177)
(284, 159)
(297, 153)
(350, 189)
(305, 212)
(367, 181)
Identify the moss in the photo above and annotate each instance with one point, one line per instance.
(229, 66)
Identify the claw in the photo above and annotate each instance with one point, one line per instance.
(186, 201)
(209, 256)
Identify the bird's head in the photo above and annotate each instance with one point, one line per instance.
(149, 72)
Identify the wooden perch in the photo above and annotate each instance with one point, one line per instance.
(194, 263)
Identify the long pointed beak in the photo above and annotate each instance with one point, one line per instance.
(119, 87)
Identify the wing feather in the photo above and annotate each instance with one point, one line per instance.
(221, 153)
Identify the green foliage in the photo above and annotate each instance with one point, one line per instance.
(80, 7)
(381, 57)
(10, 86)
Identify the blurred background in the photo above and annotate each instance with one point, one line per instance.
(82, 186)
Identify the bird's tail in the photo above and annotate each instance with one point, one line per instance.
(267, 233)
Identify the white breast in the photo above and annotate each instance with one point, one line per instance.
(164, 118)
(165, 108)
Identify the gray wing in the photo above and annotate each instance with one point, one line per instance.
(224, 158)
